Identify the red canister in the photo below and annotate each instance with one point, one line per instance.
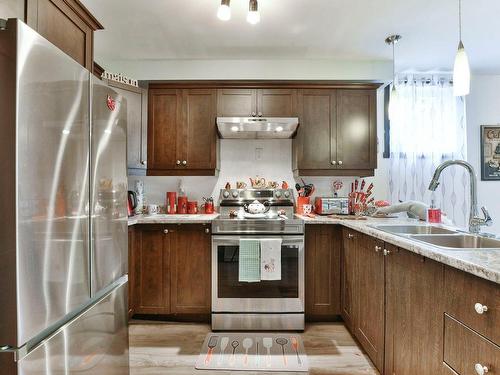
(192, 207)
(182, 205)
(171, 202)
(209, 207)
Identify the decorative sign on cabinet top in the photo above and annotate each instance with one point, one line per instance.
(118, 77)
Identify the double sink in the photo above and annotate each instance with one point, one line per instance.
(441, 237)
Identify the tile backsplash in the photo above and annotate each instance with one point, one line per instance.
(240, 160)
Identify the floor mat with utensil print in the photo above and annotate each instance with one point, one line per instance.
(253, 352)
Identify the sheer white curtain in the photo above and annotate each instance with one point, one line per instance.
(427, 128)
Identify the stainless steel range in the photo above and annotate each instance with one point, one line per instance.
(265, 304)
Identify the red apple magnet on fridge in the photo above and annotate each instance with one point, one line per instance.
(111, 103)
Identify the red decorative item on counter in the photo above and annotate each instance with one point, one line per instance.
(209, 207)
(301, 201)
(192, 207)
(171, 202)
(182, 205)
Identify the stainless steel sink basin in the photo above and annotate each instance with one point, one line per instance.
(459, 241)
(414, 229)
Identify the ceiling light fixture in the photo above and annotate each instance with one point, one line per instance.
(392, 40)
(461, 68)
(224, 12)
(253, 16)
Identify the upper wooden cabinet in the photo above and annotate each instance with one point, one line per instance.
(67, 24)
(182, 136)
(136, 100)
(322, 272)
(256, 102)
(337, 133)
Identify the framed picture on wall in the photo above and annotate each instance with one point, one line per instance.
(490, 152)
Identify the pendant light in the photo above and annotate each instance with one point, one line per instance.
(224, 12)
(461, 69)
(392, 40)
(253, 16)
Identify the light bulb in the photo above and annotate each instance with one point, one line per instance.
(253, 17)
(393, 103)
(461, 72)
(234, 128)
(279, 128)
(224, 11)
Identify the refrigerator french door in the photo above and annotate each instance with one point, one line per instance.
(46, 239)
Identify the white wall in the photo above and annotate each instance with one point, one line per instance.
(483, 108)
(11, 9)
(251, 69)
(239, 161)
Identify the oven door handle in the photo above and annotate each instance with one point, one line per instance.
(235, 240)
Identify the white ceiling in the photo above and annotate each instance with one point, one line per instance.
(300, 29)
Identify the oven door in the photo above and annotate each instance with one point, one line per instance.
(280, 296)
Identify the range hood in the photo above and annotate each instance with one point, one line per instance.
(257, 127)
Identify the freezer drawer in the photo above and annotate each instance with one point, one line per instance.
(94, 343)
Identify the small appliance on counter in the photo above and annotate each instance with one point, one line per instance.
(131, 203)
(331, 205)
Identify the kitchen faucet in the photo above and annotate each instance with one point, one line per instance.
(475, 222)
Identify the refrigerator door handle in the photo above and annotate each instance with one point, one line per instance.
(8, 349)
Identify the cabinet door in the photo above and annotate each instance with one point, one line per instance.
(164, 123)
(356, 130)
(348, 273)
(277, 102)
(322, 270)
(414, 314)
(314, 143)
(370, 288)
(152, 263)
(66, 24)
(236, 102)
(136, 100)
(191, 270)
(198, 142)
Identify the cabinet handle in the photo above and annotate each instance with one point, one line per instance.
(165, 231)
(350, 236)
(253, 114)
(480, 309)
(386, 252)
(184, 162)
(480, 369)
(178, 162)
(260, 114)
(378, 248)
(334, 162)
(207, 230)
(143, 162)
(340, 162)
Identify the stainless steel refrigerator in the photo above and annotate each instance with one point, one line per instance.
(63, 236)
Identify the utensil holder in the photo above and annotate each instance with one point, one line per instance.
(301, 201)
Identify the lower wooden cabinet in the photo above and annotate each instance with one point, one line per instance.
(322, 272)
(369, 324)
(414, 314)
(348, 274)
(191, 270)
(171, 265)
(467, 352)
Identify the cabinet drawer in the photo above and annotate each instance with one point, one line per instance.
(464, 350)
(463, 292)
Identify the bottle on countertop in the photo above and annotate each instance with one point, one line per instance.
(434, 214)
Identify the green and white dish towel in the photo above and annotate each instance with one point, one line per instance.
(249, 261)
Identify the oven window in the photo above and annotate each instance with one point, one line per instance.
(229, 286)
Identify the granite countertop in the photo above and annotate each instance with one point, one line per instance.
(172, 219)
(484, 263)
